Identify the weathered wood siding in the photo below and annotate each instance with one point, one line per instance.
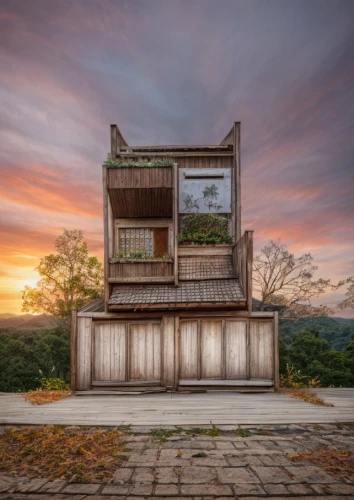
(84, 353)
(140, 269)
(114, 349)
(141, 202)
(139, 177)
(109, 351)
(145, 352)
(236, 349)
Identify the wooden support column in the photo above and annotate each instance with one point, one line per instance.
(106, 223)
(114, 141)
(73, 351)
(175, 222)
(276, 351)
(249, 264)
(237, 180)
(168, 336)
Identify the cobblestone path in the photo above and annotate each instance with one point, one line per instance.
(207, 468)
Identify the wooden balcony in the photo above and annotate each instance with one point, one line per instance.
(141, 191)
(141, 271)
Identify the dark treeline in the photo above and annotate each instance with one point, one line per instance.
(26, 357)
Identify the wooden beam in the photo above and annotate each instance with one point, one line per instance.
(144, 154)
(105, 237)
(237, 183)
(175, 306)
(241, 314)
(249, 264)
(228, 383)
(114, 141)
(178, 146)
(199, 250)
(276, 351)
(175, 223)
(73, 350)
(143, 279)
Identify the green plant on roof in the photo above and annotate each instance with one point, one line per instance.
(204, 228)
(111, 162)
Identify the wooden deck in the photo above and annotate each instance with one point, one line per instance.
(180, 409)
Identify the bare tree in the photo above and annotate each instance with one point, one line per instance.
(349, 301)
(287, 282)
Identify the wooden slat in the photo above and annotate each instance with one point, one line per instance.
(109, 352)
(73, 351)
(188, 361)
(145, 352)
(276, 351)
(105, 237)
(144, 279)
(236, 349)
(175, 154)
(139, 177)
(168, 364)
(84, 353)
(261, 349)
(211, 352)
(141, 269)
(196, 250)
(141, 202)
(228, 383)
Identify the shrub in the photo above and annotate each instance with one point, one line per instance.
(204, 228)
(54, 384)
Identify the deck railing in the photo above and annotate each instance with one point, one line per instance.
(242, 256)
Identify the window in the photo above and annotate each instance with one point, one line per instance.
(152, 241)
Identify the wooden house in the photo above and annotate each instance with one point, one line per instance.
(177, 309)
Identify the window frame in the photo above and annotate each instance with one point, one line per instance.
(144, 224)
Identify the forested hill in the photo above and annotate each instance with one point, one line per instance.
(337, 333)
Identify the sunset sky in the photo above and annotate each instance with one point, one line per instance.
(174, 72)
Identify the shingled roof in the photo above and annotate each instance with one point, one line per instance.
(218, 292)
(209, 267)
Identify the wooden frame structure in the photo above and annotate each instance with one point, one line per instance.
(183, 320)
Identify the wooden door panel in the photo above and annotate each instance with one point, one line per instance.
(189, 350)
(109, 352)
(236, 349)
(261, 349)
(145, 352)
(211, 349)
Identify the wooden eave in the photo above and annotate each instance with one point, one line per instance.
(178, 306)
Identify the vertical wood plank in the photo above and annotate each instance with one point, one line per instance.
(84, 361)
(188, 361)
(276, 351)
(175, 223)
(145, 351)
(249, 264)
(211, 352)
(262, 349)
(105, 238)
(114, 142)
(236, 349)
(73, 351)
(168, 342)
(177, 351)
(237, 170)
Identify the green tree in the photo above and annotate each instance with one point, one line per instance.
(68, 279)
(286, 281)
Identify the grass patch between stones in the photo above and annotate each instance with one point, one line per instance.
(77, 455)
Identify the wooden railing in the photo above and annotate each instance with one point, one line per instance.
(242, 256)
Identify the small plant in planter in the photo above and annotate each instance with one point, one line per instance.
(140, 255)
(111, 162)
(204, 228)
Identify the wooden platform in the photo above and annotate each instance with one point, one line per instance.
(180, 409)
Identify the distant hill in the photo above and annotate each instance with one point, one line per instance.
(26, 321)
(338, 333)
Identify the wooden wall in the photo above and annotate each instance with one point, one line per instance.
(217, 350)
(140, 269)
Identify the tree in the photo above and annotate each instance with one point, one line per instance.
(68, 280)
(287, 282)
(349, 301)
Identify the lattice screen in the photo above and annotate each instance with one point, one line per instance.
(136, 240)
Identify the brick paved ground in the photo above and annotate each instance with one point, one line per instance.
(231, 466)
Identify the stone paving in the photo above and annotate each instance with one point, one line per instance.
(202, 467)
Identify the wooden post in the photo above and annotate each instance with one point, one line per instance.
(249, 264)
(114, 142)
(237, 180)
(175, 222)
(276, 351)
(73, 350)
(105, 238)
